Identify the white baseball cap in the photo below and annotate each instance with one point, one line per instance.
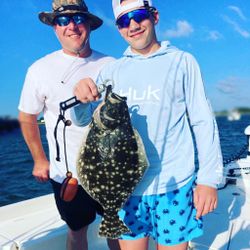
(118, 8)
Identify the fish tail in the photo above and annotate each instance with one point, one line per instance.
(112, 227)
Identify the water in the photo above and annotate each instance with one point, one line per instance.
(17, 182)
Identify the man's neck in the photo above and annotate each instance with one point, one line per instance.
(86, 52)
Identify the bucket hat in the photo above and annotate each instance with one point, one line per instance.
(61, 7)
(118, 9)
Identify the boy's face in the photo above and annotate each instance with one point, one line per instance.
(140, 35)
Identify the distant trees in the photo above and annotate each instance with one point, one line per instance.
(244, 110)
(7, 124)
(241, 110)
(40, 120)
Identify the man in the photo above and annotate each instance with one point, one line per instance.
(48, 82)
(167, 103)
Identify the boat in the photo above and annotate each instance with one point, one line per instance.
(36, 225)
(228, 227)
(234, 115)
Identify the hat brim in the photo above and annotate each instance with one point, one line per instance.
(48, 18)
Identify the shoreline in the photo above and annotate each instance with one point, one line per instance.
(8, 124)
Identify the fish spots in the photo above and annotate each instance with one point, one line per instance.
(111, 162)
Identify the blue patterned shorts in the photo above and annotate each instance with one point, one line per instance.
(168, 218)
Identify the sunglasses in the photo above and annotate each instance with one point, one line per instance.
(137, 15)
(65, 20)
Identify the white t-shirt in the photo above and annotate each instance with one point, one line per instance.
(49, 81)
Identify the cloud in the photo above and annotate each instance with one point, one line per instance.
(214, 35)
(110, 22)
(244, 33)
(238, 11)
(182, 29)
(107, 21)
(231, 92)
(235, 87)
(226, 87)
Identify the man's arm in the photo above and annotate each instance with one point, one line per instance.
(31, 134)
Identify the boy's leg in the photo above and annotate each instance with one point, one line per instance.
(141, 244)
(183, 246)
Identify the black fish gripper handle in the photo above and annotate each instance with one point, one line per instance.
(69, 103)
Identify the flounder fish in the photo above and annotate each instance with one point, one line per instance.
(112, 161)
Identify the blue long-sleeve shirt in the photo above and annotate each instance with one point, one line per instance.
(167, 103)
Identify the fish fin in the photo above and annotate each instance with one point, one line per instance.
(112, 227)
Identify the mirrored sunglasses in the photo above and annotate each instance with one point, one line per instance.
(65, 20)
(137, 15)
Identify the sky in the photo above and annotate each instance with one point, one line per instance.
(216, 32)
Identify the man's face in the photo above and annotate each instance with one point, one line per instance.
(140, 35)
(73, 37)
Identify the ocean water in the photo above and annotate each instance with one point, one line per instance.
(17, 182)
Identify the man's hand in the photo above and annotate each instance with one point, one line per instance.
(205, 200)
(41, 171)
(86, 91)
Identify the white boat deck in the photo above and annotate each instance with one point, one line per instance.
(32, 223)
(228, 227)
(35, 224)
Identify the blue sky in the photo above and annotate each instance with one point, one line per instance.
(216, 32)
